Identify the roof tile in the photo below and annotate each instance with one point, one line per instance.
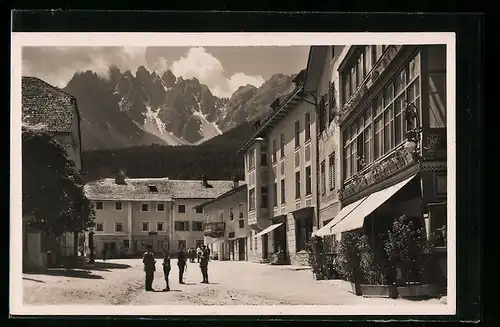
(45, 104)
(137, 189)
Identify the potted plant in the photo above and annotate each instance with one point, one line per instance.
(315, 257)
(375, 282)
(348, 260)
(409, 252)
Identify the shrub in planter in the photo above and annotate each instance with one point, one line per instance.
(409, 252)
(315, 256)
(374, 283)
(348, 260)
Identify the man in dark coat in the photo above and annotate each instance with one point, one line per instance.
(181, 263)
(204, 258)
(166, 269)
(149, 267)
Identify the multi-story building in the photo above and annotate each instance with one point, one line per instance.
(226, 226)
(132, 213)
(281, 176)
(393, 136)
(57, 113)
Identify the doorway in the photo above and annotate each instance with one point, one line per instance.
(231, 250)
(280, 244)
(265, 249)
(242, 249)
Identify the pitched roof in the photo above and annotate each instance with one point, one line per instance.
(234, 190)
(137, 189)
(48, 105)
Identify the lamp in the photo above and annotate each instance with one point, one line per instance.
(412, 133)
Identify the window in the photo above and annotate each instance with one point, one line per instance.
(241, 223)
(322, 181)
(382, 126)
(274, 150)
(126, 244)
(181, 244)
(283, 191)
(197, 226)
(282, 145)
(99, 227)
(297, 185)
(160, 207)
(231, 214)
(118, 227)
(331, 170)
(145, 207)
(303, 230)
(99, 205)
(181, 208)
(263, 156)
(198, 209)
(297, 134)
(240, 214)
(251, 159)
(308, 181)
(436, 81)
(251, 199)
(118, 206)
(323, 108)
(275, 194)
(307, 126)
(153, 188)
(331, 103)
(263, 197)
(181, 226)
(160, 226)
(145, 226)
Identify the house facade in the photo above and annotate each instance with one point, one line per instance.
(132, 213)
(392, 120)
(281, 176)
(226, 225)
(57, 112)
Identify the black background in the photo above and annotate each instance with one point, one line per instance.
(470, 53)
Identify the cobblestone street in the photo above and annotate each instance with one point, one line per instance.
(118, 282)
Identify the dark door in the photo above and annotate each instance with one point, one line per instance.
(280, 241)
(112, 249)
(231, 250)
(241, 249)
(264, 246)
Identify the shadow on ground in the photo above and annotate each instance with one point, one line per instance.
(69, 273)
(106, 266)
(33, 280)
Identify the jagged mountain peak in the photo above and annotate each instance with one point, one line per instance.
(125, 110)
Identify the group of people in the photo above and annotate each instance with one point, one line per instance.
(182, 257)
(196, 254)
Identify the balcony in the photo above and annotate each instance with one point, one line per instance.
(214, 229)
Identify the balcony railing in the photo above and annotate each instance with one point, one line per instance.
(214, 229)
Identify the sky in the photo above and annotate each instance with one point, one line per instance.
(222, 69)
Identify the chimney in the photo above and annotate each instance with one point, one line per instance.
(120, 177)
(256, 125)
(204, 181)
(236, 182)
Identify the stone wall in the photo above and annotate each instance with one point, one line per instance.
(299, 259)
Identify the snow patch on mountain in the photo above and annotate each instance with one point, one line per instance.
(154, 125)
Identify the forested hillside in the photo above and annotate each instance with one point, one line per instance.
(217, 158)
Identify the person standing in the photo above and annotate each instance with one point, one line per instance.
(149, 267)
(103, 253)
(198, 253)
(204, 258)
(181, 263)
(166, 269)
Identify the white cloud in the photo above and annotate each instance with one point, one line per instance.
(208, 70)
(57, 65)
